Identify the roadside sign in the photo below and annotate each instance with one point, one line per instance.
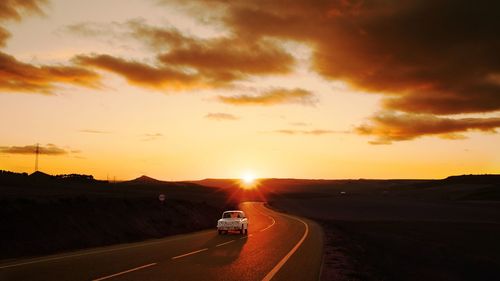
(161, 197)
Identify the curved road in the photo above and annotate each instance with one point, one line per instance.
(278, 247)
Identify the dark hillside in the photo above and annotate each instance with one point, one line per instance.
(43, 214)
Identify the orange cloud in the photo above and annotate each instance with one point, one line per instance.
(15, 10)
(222, 58)
(194, 62)
(390, 126)
(17, 76)
(141, 74)
(4, 35)
(272, 97)
(218, 116)
(228, 59)
(49, 149)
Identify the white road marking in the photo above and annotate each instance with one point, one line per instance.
(225, 243)
(269, 226)
(124, 272)
(99, 251)
(278, 266)
(190, 253)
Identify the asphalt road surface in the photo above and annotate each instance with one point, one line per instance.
(277, 247)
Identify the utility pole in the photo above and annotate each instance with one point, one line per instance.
(37, 151)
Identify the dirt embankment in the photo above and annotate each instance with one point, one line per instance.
(49, 215)
(30, 227)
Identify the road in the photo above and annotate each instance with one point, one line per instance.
(277, 247)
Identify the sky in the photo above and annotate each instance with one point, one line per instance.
(184, 90)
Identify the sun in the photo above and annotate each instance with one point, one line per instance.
(248, 178)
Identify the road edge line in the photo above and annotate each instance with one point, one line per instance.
(282, 262)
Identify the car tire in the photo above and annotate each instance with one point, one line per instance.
(246, 231)
(220, 232)
(241, 230)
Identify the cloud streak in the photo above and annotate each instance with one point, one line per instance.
(387, 127)
(219, 116)
(272, 97)
(316, 132)
(91, 131)
(49, 149)
(152, 136)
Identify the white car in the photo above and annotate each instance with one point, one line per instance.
(233, 220)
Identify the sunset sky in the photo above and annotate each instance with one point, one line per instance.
(303, 89)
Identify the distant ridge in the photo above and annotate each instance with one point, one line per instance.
(39, 174)
(468, 179)
(145, 179)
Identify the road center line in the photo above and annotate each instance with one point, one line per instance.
(124, 272)
(278, 266)
(190, 253)
(225, 243)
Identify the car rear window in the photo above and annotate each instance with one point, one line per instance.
(231, 215)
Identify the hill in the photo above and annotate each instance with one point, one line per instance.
(145, 179)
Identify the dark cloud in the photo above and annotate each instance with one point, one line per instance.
(17, 76)
(272, 97)
(219, 116)
(426, 54)
(49, 149)
(390, 126)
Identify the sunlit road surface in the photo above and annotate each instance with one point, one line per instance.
(278, 247)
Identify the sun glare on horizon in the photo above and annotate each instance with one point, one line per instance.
(248, 178)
